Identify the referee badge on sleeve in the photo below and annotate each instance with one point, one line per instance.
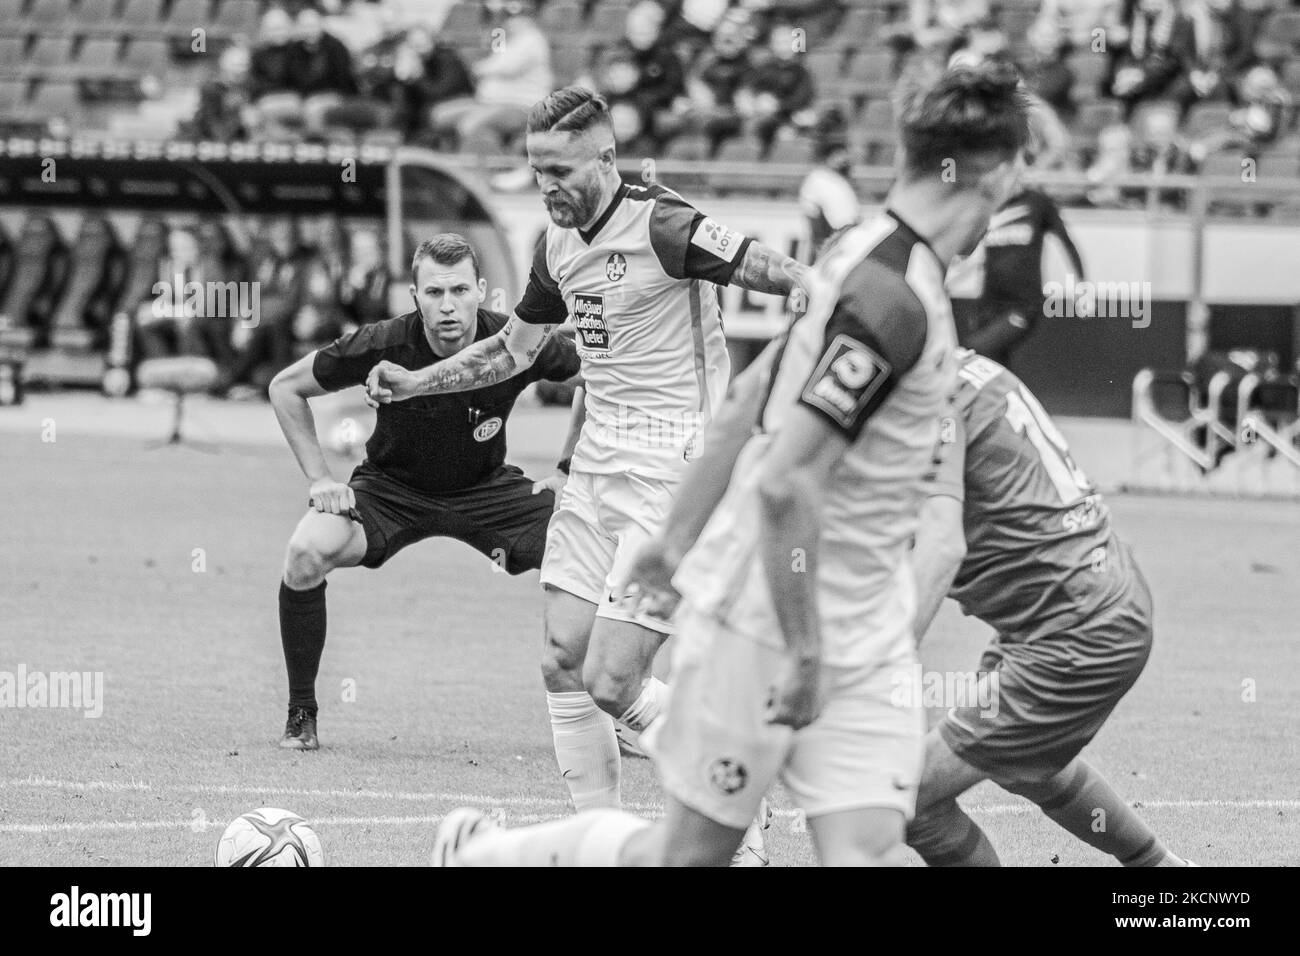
(847, 376)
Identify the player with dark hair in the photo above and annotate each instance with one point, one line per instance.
(637, 267)
(433, 468)
(1014, 531)
(789, 539)
(1026, 246)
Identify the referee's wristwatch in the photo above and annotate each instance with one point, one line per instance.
(563, 464)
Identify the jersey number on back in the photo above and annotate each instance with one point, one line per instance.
(1028, 418)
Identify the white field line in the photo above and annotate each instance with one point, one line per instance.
(470, 799)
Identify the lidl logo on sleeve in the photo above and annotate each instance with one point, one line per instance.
(715, 238)
(845, 379)
(589, 321)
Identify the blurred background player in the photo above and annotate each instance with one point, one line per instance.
(637, 268)
(826, 195)
(1027, 245)
(434, 468)
(798, 597)
(1014, 531)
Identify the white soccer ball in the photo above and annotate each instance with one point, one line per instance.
(269, 837)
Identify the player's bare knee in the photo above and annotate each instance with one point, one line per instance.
(306, 564)
(613, 693)
(561, 666)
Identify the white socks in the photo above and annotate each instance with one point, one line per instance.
(594, 838)
(647, 705)
(586, 749)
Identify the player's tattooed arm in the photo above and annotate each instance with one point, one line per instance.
(486, 362)
(937, 555)
(766, 270)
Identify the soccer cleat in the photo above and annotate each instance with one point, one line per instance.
(629, 742)
(454, 831)
(300, 730)
(752, 851)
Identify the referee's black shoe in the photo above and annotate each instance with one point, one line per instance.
(300, 730)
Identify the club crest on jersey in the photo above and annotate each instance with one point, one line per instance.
(589, 321)
(615, 267)
(487, 429)
(714, 237)
(728, 776)
(845, 379)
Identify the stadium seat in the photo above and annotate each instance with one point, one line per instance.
(98, 268)
(825, 67)
(98, 58)
(186, 15)
(46, 15)
(235, 17)
(96, 15)
(141, 18)
(11, 12)
(1291, 78)
(860, 30)
(687, 147)
(147, 55)
(1227, 163)
(1281, 159)
(871, 74)
(742, 149)
(878, 117)
(1205, 118)
(148, 246)
(40, 268)
(13, 96)
(797, 152)
(181, 375)
(11, 55)
(59, 99)
(50, 55)
(1094, 117)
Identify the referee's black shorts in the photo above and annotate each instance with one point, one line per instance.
(500, 517)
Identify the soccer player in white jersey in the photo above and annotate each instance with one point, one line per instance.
(637, 268)
(798, 597)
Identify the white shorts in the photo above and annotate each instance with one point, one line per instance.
(601, 523)
(717, 754)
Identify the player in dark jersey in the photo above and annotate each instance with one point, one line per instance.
(1014, 252)
(435, 466)
(1014, 531)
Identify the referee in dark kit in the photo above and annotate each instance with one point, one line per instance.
(435, 465)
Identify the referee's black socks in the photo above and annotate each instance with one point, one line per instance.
(302, 633)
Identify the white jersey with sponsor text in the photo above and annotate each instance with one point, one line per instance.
(640, 286)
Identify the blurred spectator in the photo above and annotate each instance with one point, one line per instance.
(640, 77)
(709, 106)
(691, 24)
(1156, 49)
(1160, 147)
(826, 196)
(1114, 159)
(320, 319)
(1254, 124)
(1047, 72)
(423, 73)
(273, 77)
(1223, 46)
(223, 111)
(777, 96)
(363, 291)
(1079, 20)
(279, 267)
(941, 25)
(514, 76)
(173, 319)
(323, 67)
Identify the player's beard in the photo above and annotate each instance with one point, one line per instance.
(569, 213)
